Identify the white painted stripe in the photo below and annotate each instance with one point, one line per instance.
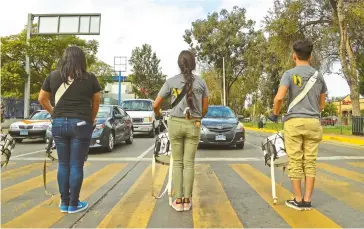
(256, 146)
(246, 159)
(25, 154)
(146, 152)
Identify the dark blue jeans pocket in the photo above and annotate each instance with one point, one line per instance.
(83, 131)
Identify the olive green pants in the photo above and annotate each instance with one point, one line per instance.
(184, 137)
(302, 137)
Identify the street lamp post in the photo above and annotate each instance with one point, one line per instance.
(58, 24)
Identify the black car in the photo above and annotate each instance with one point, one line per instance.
(221, 126)
(113, 126)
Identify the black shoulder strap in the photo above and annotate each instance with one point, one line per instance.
(179, 97)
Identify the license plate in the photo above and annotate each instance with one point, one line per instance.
(23, 132)
(220, 138)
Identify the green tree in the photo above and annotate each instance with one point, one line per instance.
(222, 35)
(335, 27)
(44, 53)
(102, 71)
(330, 110)
(147, 77)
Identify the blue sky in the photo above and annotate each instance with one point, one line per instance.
(126, 24)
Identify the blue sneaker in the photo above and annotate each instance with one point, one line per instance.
(81, 207)
(63, 207)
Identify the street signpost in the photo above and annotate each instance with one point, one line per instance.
(120, 63)
(58, 24)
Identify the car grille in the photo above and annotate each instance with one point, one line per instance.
(25, 127)
(220, 130)
(137, 120)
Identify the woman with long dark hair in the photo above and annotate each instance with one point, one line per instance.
(76, 96)
(191, 93)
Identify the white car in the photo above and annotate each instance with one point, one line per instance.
(141, 111)
(31, 128)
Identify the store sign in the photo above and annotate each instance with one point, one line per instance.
(346, 102)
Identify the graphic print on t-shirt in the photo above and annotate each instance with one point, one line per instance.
(297, 80)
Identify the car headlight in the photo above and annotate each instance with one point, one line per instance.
(14, 126)
(148, 119)
(240, 126)
(99, 127)
(203, 129)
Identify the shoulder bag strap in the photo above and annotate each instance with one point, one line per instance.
(61, 90)
(304, 92)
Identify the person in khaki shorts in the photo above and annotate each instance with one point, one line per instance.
(190, 94)
(302, 128)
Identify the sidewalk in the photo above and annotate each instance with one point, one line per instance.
(353, 140)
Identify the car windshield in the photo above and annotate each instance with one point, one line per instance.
(137, 105)
(220, 112)
(104, 112)
(41, 115)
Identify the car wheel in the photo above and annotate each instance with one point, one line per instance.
(110, 142)
(18, 140)
(131, 137)
(240, 146)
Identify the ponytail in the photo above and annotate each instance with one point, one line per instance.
(187, 64)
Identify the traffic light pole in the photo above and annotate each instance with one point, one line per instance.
(27, 69)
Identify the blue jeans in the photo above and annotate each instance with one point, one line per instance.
(72, 142)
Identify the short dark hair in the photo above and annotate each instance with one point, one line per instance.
(303, 49)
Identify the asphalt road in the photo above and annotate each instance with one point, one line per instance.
(232, 189)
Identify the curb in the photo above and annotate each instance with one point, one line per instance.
(359, 141)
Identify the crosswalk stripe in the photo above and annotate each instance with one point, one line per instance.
(17, 190)
(211, 205)
(358, 177)
(47, 213)
(356, 164)
(22, 171)
(136, 207)
(296, 219)
(341, 190)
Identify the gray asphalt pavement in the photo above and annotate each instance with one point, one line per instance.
(232, 189)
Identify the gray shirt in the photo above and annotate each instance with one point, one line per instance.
(173, 87)
(295, 79)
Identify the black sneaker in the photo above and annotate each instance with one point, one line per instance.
(306, 205)
(300, 206)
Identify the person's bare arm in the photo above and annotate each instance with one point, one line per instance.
(282, 91)
(205, 106)
(43, 99)
(95, 105)
(322, 101)
(156, 105)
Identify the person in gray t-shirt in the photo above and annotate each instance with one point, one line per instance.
(302, 127)
(184, 125)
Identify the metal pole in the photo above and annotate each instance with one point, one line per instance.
(223, 76)
(119, 94)
(27, 69)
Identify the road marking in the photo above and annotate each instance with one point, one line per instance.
(17, 190)
(47, 213)
(135, 208)
(25, 154)
(207, 159)
(358, 177)
(256, 146)
(341, 190)
(146, 152)
(22, 171)
(211, 205)
(296, 219)
(356, 164)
